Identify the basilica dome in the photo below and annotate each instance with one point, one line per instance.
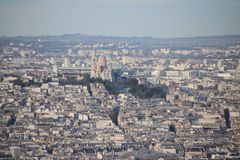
(102, 61)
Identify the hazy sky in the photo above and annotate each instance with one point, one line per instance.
(156, 18)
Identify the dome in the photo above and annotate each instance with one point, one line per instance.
(102, 61)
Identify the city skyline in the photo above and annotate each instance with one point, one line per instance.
(120, 79)
(83, 97)
(155, 18)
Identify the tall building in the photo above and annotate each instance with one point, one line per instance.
(66, 62)
(99, 67)
(55, 69)
(238, 66)
(220, 63)
(53, 61)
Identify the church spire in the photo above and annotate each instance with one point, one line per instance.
(93, 64)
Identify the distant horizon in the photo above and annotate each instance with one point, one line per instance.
(119, 36)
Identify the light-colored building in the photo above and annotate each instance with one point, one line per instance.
(99, 67)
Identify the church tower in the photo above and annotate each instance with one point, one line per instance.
(99, 67)
(93, 64)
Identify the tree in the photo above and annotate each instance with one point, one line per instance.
(227, 117)
(18, 82)
(86, 78)
(114, 115)
(132, 82)
(12, 120)
(49, 149)
(172, 128)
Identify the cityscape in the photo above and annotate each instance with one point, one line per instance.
(118, 99)
(83, 96)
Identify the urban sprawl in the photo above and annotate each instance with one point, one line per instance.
(119, 99)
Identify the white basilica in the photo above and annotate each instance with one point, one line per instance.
(99, 67)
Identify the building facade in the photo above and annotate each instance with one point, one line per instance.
(99, 67)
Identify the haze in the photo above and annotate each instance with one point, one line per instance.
(156, 18)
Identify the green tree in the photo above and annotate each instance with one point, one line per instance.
(227, 117)
(172, 128)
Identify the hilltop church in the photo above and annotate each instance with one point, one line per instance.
(99, 67)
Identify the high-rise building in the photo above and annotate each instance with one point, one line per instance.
(66, 62)
(55, 69)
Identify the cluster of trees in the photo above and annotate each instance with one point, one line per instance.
(141, 90)
(12, 120)
(138, 90)
(114, 115)
(20, 82)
